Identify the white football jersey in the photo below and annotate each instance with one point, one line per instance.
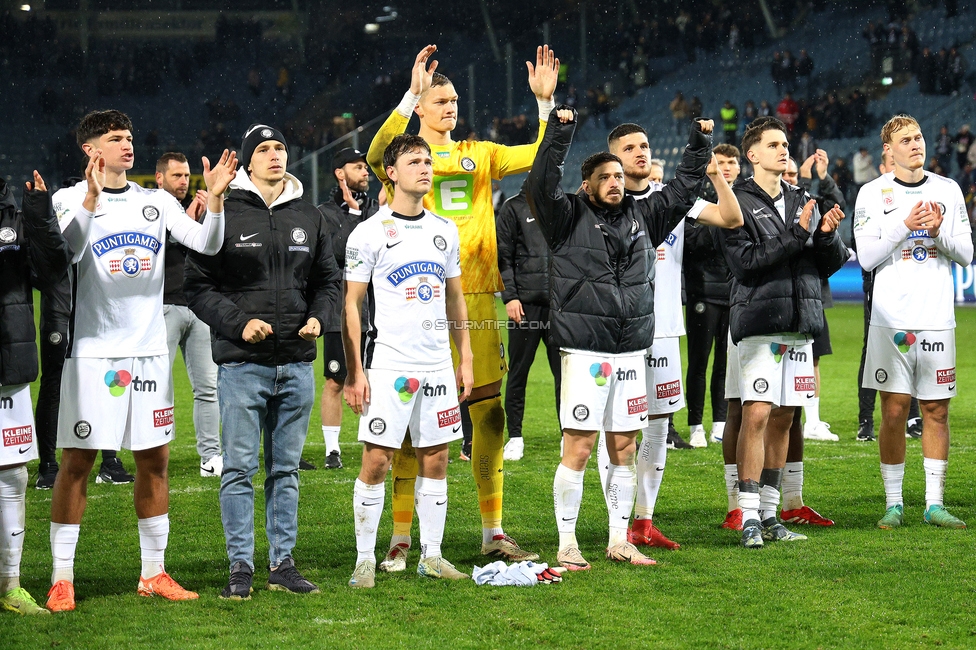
(913, 286)
(117, 306)
(668, 315)
(406, 261)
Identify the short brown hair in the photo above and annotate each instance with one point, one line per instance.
(436, 80)
(756, 128)
(897, 123)
(403, 143)
(596, 160)
(163, 163)
(727, 150)
(624, 130)
(98, 123)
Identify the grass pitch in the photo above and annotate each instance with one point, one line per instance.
(848, 586)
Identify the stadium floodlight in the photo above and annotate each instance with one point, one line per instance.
(372, 28)
(25, 7)
(886, 81)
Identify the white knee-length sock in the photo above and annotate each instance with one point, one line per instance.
(650, 467)
(430, 499)
(367, 506)
(621, 486)
(13, 511)
(153, 538)
(567, 492)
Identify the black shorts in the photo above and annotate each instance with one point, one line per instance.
(332, 356)
(821, 342)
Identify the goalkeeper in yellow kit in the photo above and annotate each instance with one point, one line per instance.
(461, 191)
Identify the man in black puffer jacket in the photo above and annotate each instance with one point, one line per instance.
(266, 296)
(32, 254)
(348, 207)
(601, 310)
(523, 261)
(777, 260)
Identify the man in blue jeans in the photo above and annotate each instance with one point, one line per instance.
(265, 296)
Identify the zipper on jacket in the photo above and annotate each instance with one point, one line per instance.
(275, 271)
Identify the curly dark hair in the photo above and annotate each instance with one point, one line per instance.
(98, 123)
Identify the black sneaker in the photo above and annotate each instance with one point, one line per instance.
(113, 472)
(914, 429)
(287, 578)
(865, 431)
(46, 474)
(304, 465)
(675, 441)
(774, 531)
(333, 461)
(465, 450)
(752, 534)
(239, 586)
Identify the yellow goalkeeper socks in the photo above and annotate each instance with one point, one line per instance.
(487, 448)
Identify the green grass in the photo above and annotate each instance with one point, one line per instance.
(848, 586)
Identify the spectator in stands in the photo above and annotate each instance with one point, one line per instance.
(679, 113)
(842, 177)
(943, 148)
(804, 70)
(927, 73)
(963, 140)
(956, 70)
(776, 71)
(872, 35)
(765, 110)
(935, 167)
(788, 112)
(749, 111)
(789, 72)
(730, 122)
(863, 165)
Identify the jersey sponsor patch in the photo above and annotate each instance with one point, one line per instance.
(804, 384)
(454, 195)
(661, 254)
(150, 212)
(389, 225)
(163, 417)
(888, 196)
(448, 418)
(668, 389)
(946, 376)
(401, 273)
(424, 291)
(18, 436)
(130, 265)
(637, 405)
(122, 239)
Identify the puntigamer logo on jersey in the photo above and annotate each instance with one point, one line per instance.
(122, 239)
(401, 273)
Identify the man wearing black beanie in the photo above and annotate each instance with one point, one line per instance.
(265, 296)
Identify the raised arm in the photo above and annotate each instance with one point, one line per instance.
(75, 220)
(663, 210)
(547, 201)
(420, 79)
(726, 213)
(47, 249)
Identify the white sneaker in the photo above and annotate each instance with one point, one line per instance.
(514, 448)
(718, 431)
(819, 431)
(697, 439)
(212, 467)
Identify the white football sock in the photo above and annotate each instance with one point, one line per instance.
(401, 539)
(768, 501)
(603, 462)
(650, 467)
(367, 506)
(64, 541)
(935, 476)
(893, 476)
(793, 486)
(430, 496)
(621, 486)
(153, 537)
(13, 511)
(732, 485)
(331, 435)
(749, 502)
(811, 409)
(488, 534)
(567, 492)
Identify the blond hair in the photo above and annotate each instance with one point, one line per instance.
(895, 124)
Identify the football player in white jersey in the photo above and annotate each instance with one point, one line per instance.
(663, 373)
(117, 389)
(408, 259)
(910, 225)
